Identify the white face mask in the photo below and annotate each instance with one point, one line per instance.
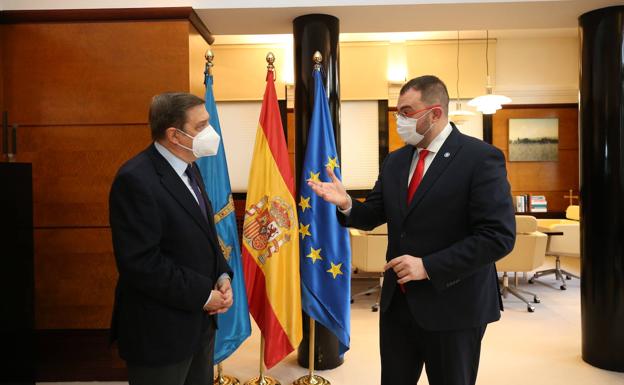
(206, 143)
(406, 128)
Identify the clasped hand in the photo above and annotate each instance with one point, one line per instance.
(220, 299)
(407, 268)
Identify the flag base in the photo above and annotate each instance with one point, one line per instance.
(311, 380)
(263, 380)
(226, 380)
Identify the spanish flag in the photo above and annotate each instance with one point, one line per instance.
(271, 237)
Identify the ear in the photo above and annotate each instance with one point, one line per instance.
(171, 134)
(437, 113)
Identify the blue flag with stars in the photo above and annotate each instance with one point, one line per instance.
(234, 325)
(325, 251)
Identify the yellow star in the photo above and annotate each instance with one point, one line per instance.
(315, 254)
(303, 230)
(304, 203)
(335, 269)
(332, 163)
(315, 177)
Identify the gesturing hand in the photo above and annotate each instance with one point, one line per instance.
(407, 268)
(332, 192)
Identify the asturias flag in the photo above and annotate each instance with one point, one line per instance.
(271, 238)
(325, 247)
(234, 325)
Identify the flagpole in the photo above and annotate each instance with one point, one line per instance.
(221, 379)
(262, 379)
(311, 378)
(224, 379)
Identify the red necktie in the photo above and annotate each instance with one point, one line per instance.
(417, 176)
(414, 182)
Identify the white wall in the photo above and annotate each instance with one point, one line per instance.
(538, 70)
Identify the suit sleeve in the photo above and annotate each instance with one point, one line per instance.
(368, 214)
(492, 223)
(136, 229)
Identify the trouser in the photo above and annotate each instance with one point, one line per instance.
(195, 370)
(449, 357)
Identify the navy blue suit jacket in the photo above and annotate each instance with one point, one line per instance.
(460, 221)
(168, 258)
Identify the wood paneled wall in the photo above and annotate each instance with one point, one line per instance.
(551, 179)
(80, 92)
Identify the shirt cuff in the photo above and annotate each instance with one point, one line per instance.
(346, 212)
(222, 277)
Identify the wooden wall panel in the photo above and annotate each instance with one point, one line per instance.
(73, 168)
(551, 179)
(75, 278)
(92, 73)
(80, 92)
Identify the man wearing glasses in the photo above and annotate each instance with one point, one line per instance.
(447, 203)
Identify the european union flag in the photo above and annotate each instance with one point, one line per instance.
(325, 251)
(234, 325)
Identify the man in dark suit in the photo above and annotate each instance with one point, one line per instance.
(447, 203)
(173, 277)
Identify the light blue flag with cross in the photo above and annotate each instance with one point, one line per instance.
(234, 325)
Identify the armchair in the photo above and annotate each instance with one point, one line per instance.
(527, 255)
(368, 254)
(568, 244)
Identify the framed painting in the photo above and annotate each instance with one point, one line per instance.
(533, 140)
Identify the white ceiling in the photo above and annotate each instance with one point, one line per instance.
(400, 18)
(233, 17)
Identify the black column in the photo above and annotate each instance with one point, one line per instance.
(601, 119)
(315, 33)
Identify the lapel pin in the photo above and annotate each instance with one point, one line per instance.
(447, 154)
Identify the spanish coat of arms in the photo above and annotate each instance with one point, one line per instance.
(267, 226)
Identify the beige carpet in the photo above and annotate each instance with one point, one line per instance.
(540, 348)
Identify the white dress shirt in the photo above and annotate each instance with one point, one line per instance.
(178, 165)
(433, 148)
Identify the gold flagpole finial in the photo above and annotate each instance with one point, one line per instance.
(270, 58)
(209, 58)
(317, 58)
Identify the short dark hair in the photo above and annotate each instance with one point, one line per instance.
(169, 110)
(432, 90)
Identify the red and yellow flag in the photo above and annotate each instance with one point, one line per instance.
(271, 237)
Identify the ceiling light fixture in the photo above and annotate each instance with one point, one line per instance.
(459, 115)
(489, 103)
